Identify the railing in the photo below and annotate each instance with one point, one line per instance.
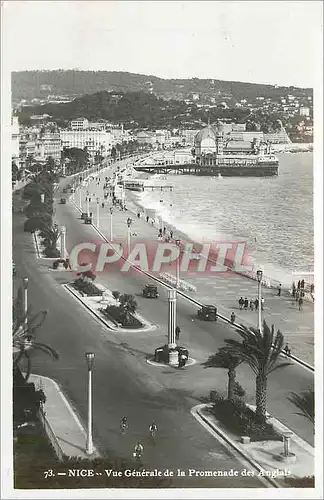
(50, 434)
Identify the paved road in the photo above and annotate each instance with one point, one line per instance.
(123, 382)
(201, 338)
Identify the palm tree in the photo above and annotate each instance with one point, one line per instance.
(128, 305)
(261, 352)
(224, 358)
(23, 335)
(305, 402)
(51, 236)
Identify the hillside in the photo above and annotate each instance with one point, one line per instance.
(73, 83)
(134, 109)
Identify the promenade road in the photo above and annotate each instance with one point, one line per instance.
(221, 289)
(124, 384)
(201, 338)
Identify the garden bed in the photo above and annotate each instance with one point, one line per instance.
(113, 313)
(86, 287)
(241, 420)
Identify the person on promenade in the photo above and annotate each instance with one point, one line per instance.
(297, 296)
(302, 283)
(177, 332)
(256, 303)
(251, 305)
(300, 303)
(298, 285)
(279, 290)
(241, 303)
(182, 360)
(138, 451)
(287, 350)
(246, 303)
(233, 318)
(312, 288)
(171, 234)
(147, 218)
(164, 231)
(293, 289)
(160, 235)
(138, 215)
(262, 304)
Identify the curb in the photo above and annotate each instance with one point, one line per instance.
(194, 301)
(196, 410)
(190, 362)
(98, 317)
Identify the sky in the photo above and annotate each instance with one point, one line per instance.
(255, 41)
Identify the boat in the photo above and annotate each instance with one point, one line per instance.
(133, 184)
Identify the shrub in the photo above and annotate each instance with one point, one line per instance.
(35, 224)
(238, 390)
(116, 294)
(118, 314)
(87, 287)
(241, 420)
(51, 252)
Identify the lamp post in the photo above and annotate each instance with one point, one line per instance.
(259, 277)
(63, 242)
(172, 302)
(178, 243)
(90, 359)
(88, 206)
(98, 220)
(80, 199)
(129, 223)
(25, 300)
(111, 223)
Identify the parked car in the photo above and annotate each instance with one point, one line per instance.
(84, 215)
(150, 291)
(88, 220)
(208, 313)
(63, 201)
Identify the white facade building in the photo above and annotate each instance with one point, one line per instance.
(94, 140)
(79, 124)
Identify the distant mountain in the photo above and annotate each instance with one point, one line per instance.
(73, 83)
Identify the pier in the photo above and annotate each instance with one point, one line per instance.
(225, 170)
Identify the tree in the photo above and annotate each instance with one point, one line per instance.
(261, 351)
(23, 336)
(305, 402)
(51, 236)
(224, 358)
(128, 305)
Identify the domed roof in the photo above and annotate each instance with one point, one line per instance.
(206, 133)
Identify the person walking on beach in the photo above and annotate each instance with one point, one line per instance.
(233, 318)
(241, 303)
(300, 303)
(246, 303)
(251, 305)
(279, 290)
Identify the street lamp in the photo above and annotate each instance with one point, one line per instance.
(88, 206)
(111, 223)
(259, 277)
(25, 306)
(129, 223)
(90, 359)
(178, 243)
(98, 221)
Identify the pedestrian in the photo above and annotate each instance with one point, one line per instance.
(233, 318)
(297, 296)
(241, 303)
(160, 233)
(89, 200)
(279, 290)
(256, 303)
(147, 218)
(171, 234)
(164, 231)
(287, 350)
(102, 205)
(152, 222)
(138, 215)
(298, 285)
(251, 305)
(312, 288)
(293, 289)
(246, 303)
(300, 303)
(182, 360)
(302, 283)
(177, 332)
(262, 304)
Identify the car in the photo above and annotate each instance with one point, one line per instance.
(150, 291)
(63, 201)
(208, 313)
(88, 220)
(84, 215)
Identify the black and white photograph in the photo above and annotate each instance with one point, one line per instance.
(161, 249)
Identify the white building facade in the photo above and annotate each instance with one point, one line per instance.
(94, 140)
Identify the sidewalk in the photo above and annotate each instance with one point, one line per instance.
(65, 430)
(224, 289)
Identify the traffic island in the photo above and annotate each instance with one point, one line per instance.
(101, 302)
(282, 457)
(177, 357)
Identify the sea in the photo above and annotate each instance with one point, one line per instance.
(272, 215)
